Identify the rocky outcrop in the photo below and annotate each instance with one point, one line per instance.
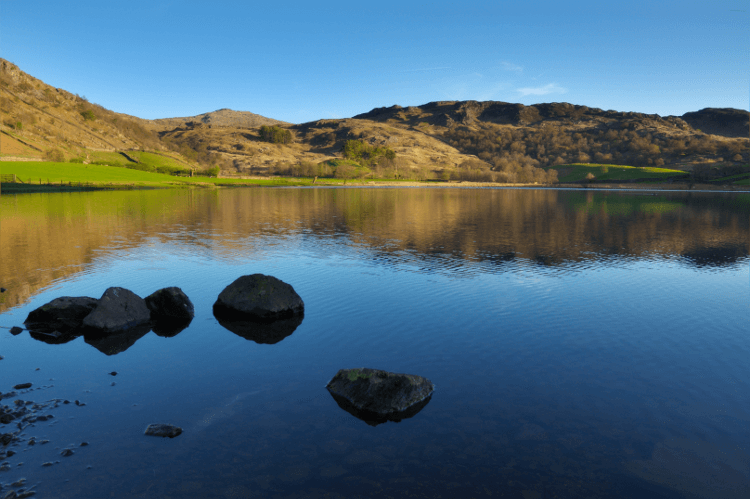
(258, 296)
(117, 310)
(61, 314)
(377, 396)
(170, 302)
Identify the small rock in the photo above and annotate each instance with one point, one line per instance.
(163, 430)
(22, 386)
(89, 467)
(44, 442)
(112, 384)
(10, 453)
(18, 483)
(15, 330)
(10, 495)
(113, 373)
(66, 401)
(24, 495)
(3, 290)
(47, 464)
(67, 452)
(77, 403)
(170, 302)
(32, 441)
(36, 369)
(84, 444)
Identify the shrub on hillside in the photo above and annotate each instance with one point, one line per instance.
(55, 155)
(88, 115)
(275, 135)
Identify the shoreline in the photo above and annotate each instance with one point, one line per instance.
(11, 188)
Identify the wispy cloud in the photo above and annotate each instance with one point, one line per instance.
(423, 69)
(509, 66)
(552, 88)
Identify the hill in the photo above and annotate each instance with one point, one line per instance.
(221, 118)
(467, 140)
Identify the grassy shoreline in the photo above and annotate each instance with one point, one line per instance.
(40, 177)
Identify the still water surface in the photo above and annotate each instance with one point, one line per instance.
(582, 344)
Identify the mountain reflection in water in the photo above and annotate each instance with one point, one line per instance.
(47, 238)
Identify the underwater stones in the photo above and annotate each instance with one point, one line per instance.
(163, 430)
(61, 314)
(118, 309)
(170, 302)
(377, 396)
(258, 296)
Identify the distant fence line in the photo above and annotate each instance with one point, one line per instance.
(12, 178)
(8, 178)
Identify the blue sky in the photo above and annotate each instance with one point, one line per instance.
(302, 61)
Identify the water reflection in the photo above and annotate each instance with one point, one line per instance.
(114, 343)
(47, 237)
(266, 332)
(375, 419)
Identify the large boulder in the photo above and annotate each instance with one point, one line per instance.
(117, 310)
(377, 396)
(258, 296)
(170, 302)
(61, 314)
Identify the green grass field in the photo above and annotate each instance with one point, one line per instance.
(577, 172)
(36, 175)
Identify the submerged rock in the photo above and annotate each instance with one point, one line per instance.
(22, 386)
(377, 396)
(61, 314)
(265, 332)
(258, 296)
(118, 309)
(163, 430)
(170, 302)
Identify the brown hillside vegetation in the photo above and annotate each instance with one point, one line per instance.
(467, 140)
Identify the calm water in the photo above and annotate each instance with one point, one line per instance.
(582, 344)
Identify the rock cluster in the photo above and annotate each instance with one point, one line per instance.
(113, 322)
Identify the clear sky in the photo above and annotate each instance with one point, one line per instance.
(302, 61)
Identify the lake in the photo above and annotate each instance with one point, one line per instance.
(582, 344)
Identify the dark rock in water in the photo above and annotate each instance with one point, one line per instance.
(265, 332)
(113, 373)
(84, 444)
(61, 314)
(118, 309)
(15, 330)
(258, 296)
(167, 327)
(67, 452)
(114, 343)
(163, 430)
(378, 396)
(22, 386)
(170, 302)
(6, 438)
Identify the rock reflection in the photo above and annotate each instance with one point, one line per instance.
(114, 343)
(374, 419)
(168, 327)
(266, 332)
(54, 337)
